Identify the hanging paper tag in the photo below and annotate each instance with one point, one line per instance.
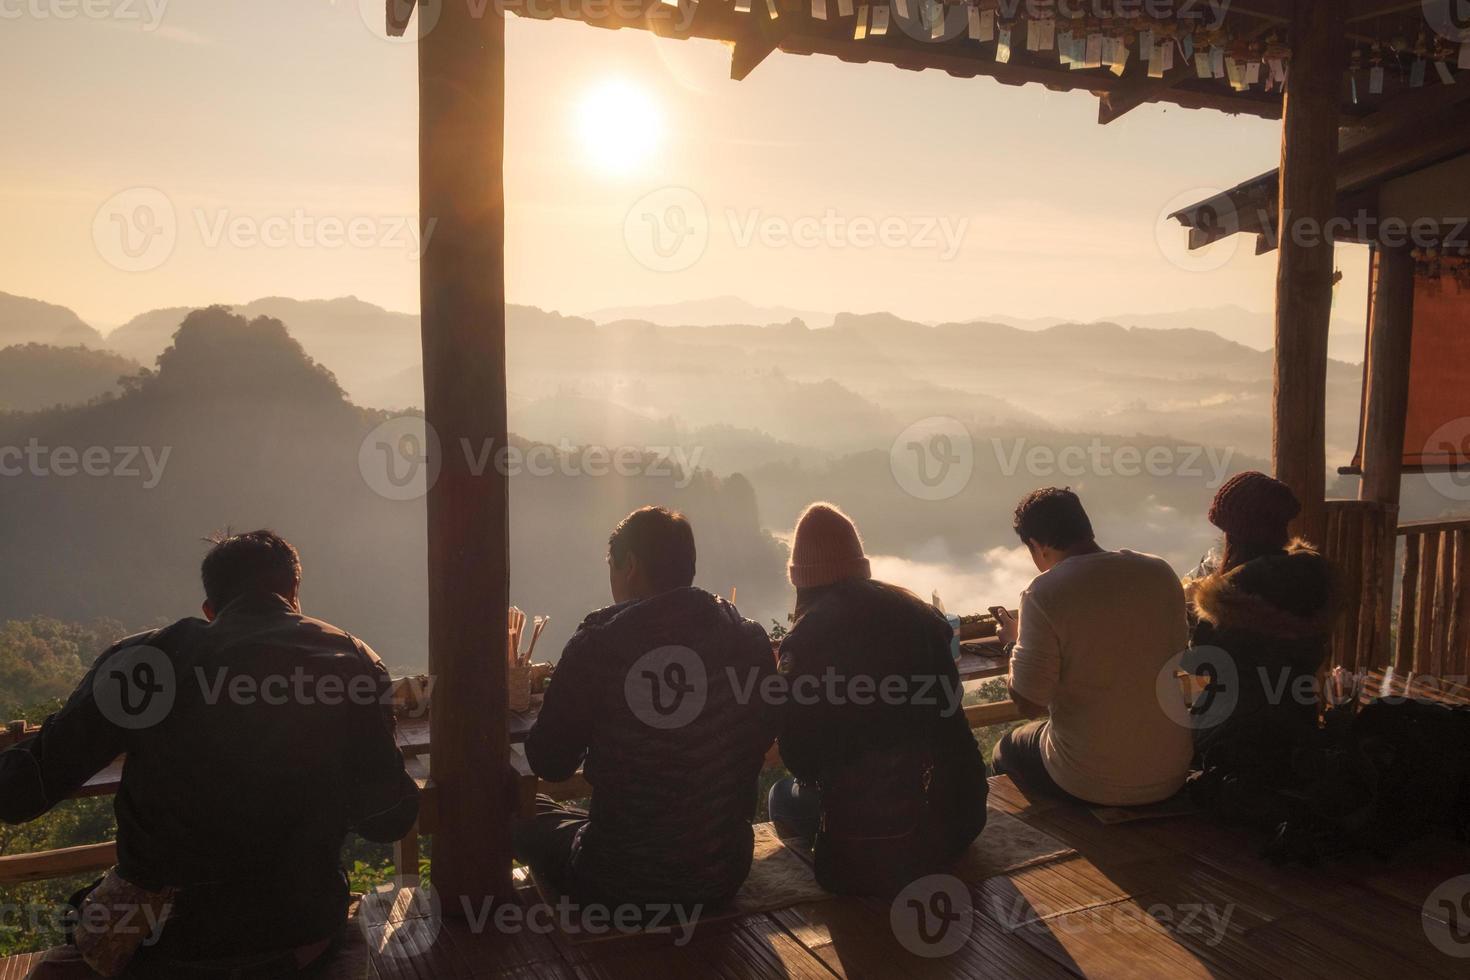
(1416, 73)
(1354, 79)
(1120, 57)
(987, 26)
(1217, 62)
(1064, 47)
(1235, 74)
(1202, 66)
(936, 20)
(1278, 70)
(1445, 75)
(880, 21)
(860, 31)
(819, 9)
(1003, 46)
(1048, 34)
(1167, 53)
(1156, 61)
(1033, 35)
(902, 9)
(844, 8)
(1187, 47)
(771, 10)
(1252, 72)
(1094, 50)
(742, 6)
(1375, 81)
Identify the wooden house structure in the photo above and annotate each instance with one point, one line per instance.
(1330, 69)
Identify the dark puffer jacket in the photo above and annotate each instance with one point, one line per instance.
(671, 806)
(1273, 616)
(862, 749)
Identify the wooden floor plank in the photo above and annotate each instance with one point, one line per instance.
(855, 939)
(755, 949)
(1114, 941)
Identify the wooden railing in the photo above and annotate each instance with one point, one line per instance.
(87, 858)
(1434, 599)
(1428, 631)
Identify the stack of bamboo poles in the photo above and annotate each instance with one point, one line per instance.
(1360, 543)
(1434, 603)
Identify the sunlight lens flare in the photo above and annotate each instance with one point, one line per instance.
(620, 126)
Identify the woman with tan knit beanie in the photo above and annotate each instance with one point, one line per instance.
(1267, 605)
(888, 781)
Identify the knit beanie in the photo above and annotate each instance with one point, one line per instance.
(1256, 508)
(827, 549)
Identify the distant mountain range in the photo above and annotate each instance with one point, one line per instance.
(30, 321)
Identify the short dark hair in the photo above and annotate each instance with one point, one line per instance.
(256, 561)
(1053, 518)
(663, 541)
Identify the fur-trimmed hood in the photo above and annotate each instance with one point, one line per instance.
(1289, 595)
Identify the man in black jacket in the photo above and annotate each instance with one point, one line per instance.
(255, 739)
(659, 695)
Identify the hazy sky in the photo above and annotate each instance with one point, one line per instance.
(179, 152)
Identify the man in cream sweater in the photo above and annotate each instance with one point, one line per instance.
(1096, 628)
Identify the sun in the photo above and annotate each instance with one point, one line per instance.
(620, 126)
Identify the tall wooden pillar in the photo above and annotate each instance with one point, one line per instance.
(1390, 343)
(1305, 270)
(462, 285)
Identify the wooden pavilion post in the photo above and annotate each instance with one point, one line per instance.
(1305, 270)
(1390, 341)
(462, 294)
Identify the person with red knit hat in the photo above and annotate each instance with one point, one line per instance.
(1267, 605)
(888, 781)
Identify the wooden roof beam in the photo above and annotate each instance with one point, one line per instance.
(399, 13)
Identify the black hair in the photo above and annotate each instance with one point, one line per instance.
(253, 562)
(1053, 518)
(662, 540)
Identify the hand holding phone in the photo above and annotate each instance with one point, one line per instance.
(1006, 630)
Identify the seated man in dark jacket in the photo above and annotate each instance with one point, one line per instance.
(874, 728)
(256, 739)
(659, 695)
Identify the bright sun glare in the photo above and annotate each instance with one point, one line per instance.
(620, 126)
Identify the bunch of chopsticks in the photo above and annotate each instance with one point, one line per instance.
(515, 654)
